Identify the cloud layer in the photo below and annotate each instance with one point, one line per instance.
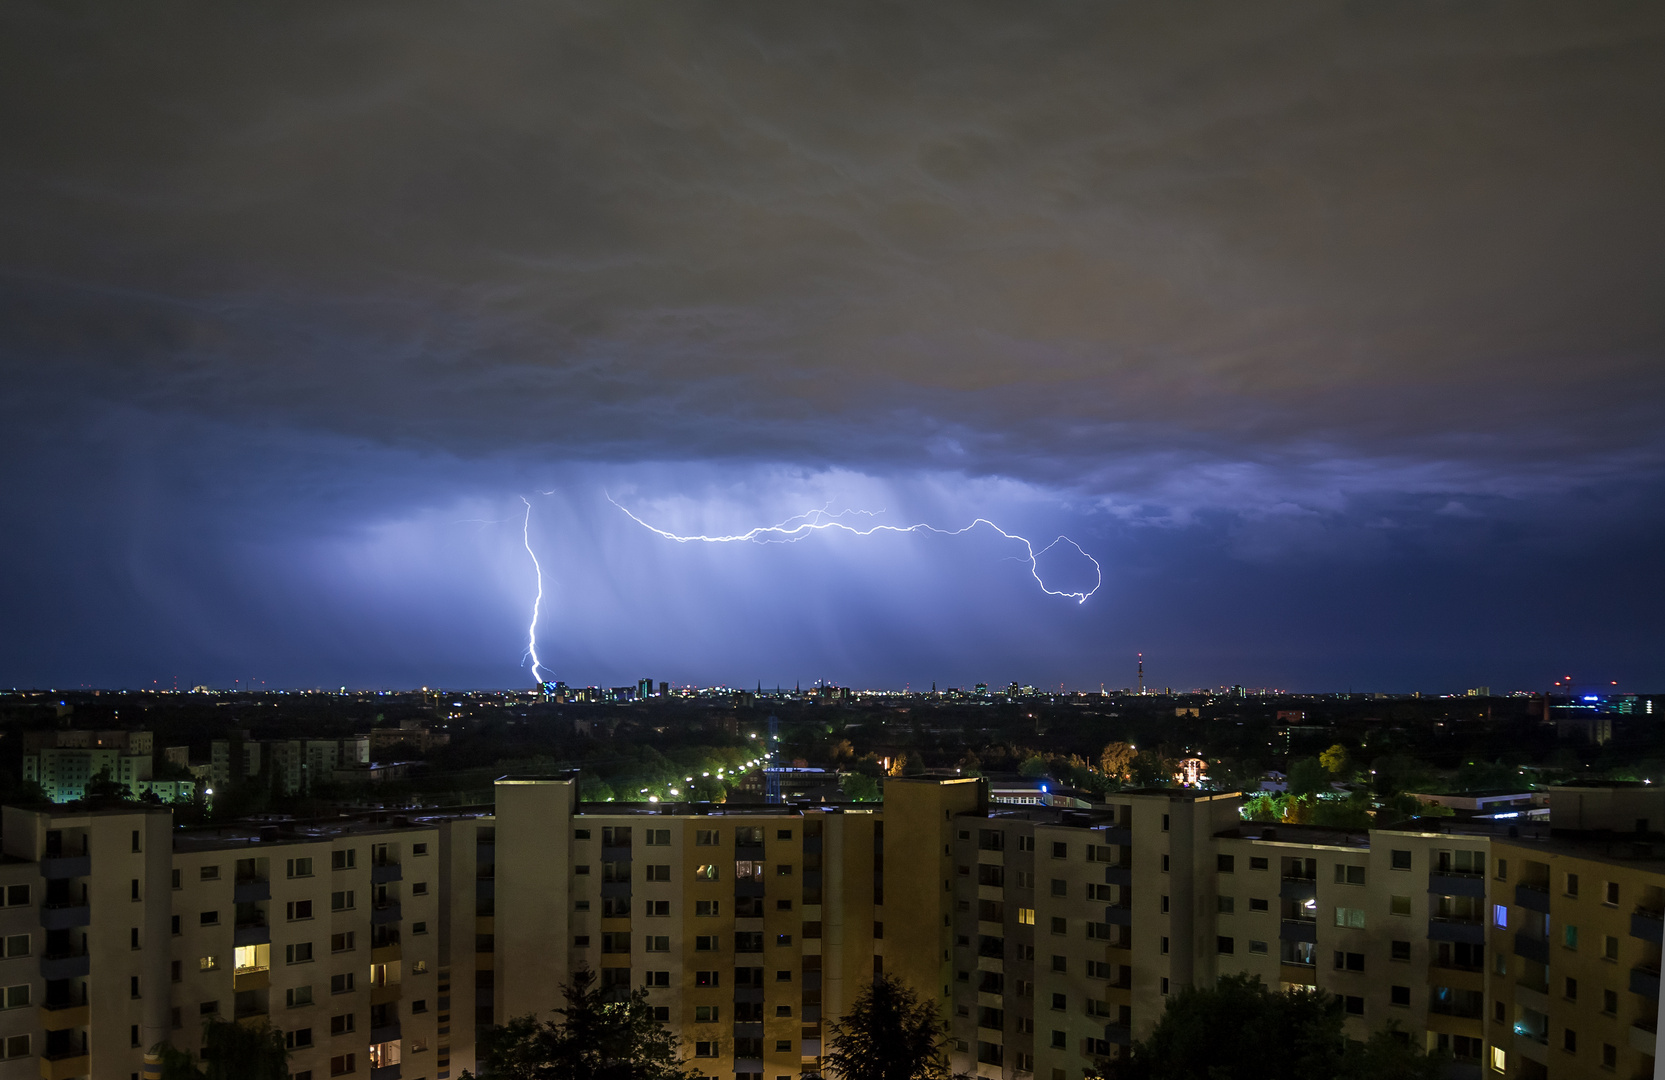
(1229, 290)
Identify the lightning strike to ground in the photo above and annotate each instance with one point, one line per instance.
(532, 630)
(820, 520)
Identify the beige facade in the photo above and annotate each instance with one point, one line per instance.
(1051, 937)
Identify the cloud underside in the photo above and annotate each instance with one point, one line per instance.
(1086, 248)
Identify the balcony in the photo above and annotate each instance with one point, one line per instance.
(1448, 883)
(381, 873)
(1647, 925)
(1118, 836)
(65, 1066)
(64, 916)
(1643, 1039)
(1118, 915)
(251, 891)
(385, 1033)
(1532, 948)
(1298, 930)
(1468, 931)
(384, 1072)
(1118, 875)
(66, 866)
(1532, 898)
(252, 932)
(64, 966)
(251, 979)
(1119, 1034)
(1645, 981)
(61, 1017)
(388, 911)
(1298, 888)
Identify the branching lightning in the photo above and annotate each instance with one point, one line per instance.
(787, 532)
(532, 631)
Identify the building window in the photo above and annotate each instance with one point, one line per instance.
(298, 954)
(1225, 864)
(297, 997)
(1610, 893)
(1257, 947)
(1500, 1060)
(1225, 946)
(209, 873)
(419, 849)
(1569, 937)
(1349, 875)
(1259, 904)
(300, 867)
(1399, 995)
(209, 918)
(1569, 1041)
(1226, 904)
(1500, 916)
(17, 1046)
(1352, 918)
(17, 997)
(1572, 884)
(1401, 860)
(1060, 925)
(298, 909)
(343, 1064)
(1354, 1006)
(1609, 948)
(1401, 950)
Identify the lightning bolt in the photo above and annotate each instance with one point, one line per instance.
(532, 630)
(787, 532)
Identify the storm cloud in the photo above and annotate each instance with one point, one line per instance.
(1301, 316)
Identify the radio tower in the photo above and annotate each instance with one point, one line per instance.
(1141, 674)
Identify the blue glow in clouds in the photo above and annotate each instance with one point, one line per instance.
(817, 520)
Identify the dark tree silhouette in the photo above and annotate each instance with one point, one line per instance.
(598, 1037)
(1240, 1030)
(890, 1033)
(230, 1051)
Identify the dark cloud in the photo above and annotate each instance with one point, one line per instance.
(1375, 284)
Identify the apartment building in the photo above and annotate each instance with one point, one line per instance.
(291, 766)
(381, 944)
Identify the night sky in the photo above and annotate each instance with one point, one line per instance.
(1335, 332)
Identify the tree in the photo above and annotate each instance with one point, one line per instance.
(1241, 1030)
(599, 1036)
(1308, 777)
(1034, 766)
(1335, 760)
(230, 1051)
(1116, 761)
(890, 1033)
(1390, 1054)
(859, 788)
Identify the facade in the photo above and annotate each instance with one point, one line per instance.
(64, 773)
(291, 766)
(1052, 936)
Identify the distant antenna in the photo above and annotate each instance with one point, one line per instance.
(1141, 674)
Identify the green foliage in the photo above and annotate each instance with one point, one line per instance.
(1241, 1030)
(1350, 813)
(1308, 777)
(598, 1037)
(860, 788)
(1263, 807)
(230, 1051)
(1390, 1054)
(1033, 766)
(1335, 760)
(890, 1033)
